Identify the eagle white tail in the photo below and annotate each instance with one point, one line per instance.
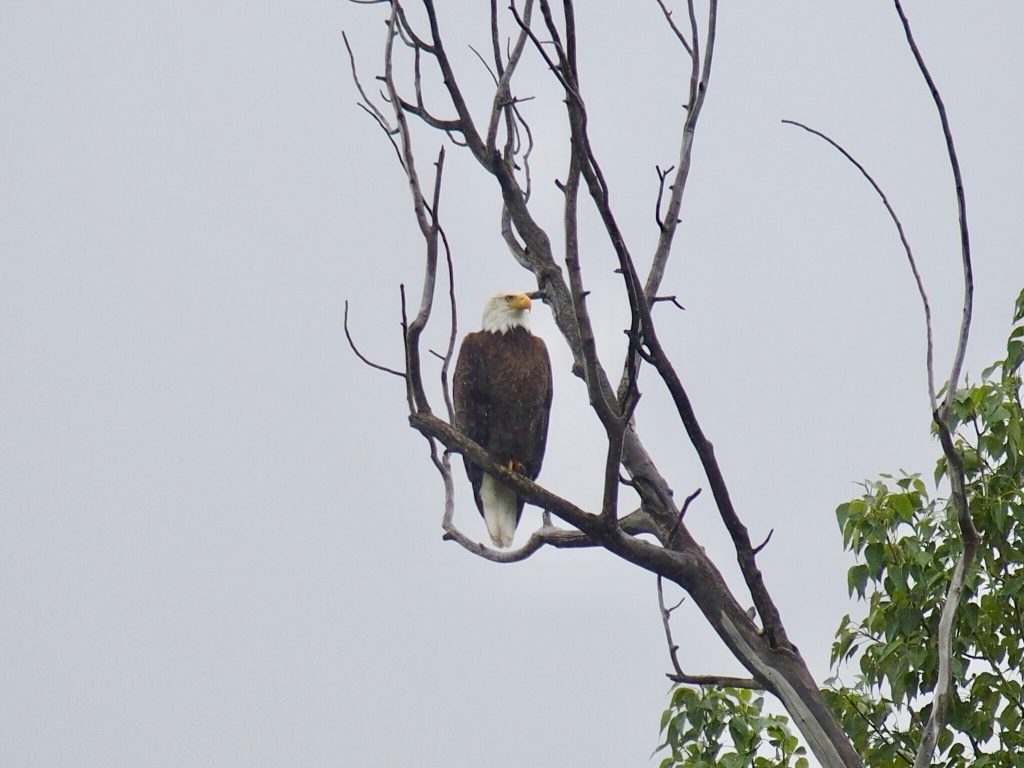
(499, 502)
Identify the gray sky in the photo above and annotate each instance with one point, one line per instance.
(220, 544)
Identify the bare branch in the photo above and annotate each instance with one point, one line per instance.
(665, 616)
(906, 249)
(965, 240)
(686, 505)
(408, 32)
(555, 68)
(367, 102)
(719, 681)
(678, 32)
(525, 156)
(700, 74)
(361, 356)
(467, 127)
(559, 538)
(688, 501)
(745, 554)
(764, 543)
(429, 119)
(502, 92)
(487, 66)
(556, 537)
(416, 327)
(613, 460)
(671, 299)
(679, 676)
(661, 191)
(368, 106)
(453, 326)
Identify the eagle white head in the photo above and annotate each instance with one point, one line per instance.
(505, 311)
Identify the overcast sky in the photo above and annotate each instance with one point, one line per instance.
(219, 541)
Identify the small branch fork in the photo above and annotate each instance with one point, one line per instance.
(363, 357)
(679, 676)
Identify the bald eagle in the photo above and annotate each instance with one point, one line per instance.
(502, 399)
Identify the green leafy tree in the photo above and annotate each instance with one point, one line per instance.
(708, 726)
(907, 542)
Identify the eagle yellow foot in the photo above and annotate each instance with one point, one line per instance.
(516, 466)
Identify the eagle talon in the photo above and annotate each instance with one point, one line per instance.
(516, 466)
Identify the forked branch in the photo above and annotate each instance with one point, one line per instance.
(719, 681)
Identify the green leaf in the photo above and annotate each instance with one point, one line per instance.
(874, 553)
(903, 506)
(857, 579)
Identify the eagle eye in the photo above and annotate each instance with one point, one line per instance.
(509, 297)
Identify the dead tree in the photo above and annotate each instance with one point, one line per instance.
(655, 535)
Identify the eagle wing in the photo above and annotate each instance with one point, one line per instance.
(471, 402)
(542, 368)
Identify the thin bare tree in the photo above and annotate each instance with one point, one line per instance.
(655, 535)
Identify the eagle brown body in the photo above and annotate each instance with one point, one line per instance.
(502, 389)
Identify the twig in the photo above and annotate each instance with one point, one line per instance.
(906, 249)
(682, 512)
(954, 462)
(665, 616)
(483, 61)
(661, 191)
(671, 299)
(679, 676)
(502, 93)
(719, 681)
(965, 239)
(700, 74)
(361, 356)
(678, 32)
(368, 106)
(555, 68)
(560, 538)
(764, 543)
(454, 327)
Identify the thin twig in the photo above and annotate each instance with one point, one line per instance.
(453, 327)
(965, 239)
(369, 107)
(764, 543)
(560, 538)
(719, 681)
(686, 506)
(903, 240)
(671, 299)
(502, 92)
(678, 32)
(363, 357)
(700, 75)
(954, 462)
(661, 191)
(673, 649)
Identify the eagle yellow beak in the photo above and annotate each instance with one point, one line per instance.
(520, 301)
